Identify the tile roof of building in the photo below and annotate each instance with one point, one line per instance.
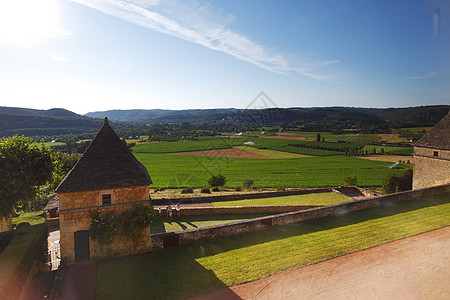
(438, 137)
(106, 163)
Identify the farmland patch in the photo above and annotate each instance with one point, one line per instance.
(230, 153)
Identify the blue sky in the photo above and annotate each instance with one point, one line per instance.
(90, 55)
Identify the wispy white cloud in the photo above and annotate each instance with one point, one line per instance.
(424, 76)
(200, 23)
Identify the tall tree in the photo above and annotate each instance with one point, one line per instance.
(24, 165)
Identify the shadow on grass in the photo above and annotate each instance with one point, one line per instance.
(159, 225)
(174, 273)
(163, 275)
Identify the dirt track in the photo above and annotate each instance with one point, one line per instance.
(388, 158)
(417, 267)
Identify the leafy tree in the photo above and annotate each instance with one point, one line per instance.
(351, 180)
(405, 181)
(24, 165)
(247, 183)
(390, 183)
(397, 183)
(64, 162)
(217, 180)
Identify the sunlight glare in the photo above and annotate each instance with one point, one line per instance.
(29, 21)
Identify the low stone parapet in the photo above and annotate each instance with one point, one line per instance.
(215, 198)
(199, 211)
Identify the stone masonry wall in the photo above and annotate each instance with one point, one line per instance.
(75, 215)
(93, 198)
(430, 170)
(70, 222)
(5, 224)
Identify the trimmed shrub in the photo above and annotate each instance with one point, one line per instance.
(23, 225)
(205, 190)
(247, 183)
(187, 190)
(217, 180)
(215, 189)
(350, 181)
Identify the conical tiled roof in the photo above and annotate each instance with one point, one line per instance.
(438, 137)
(106, 163)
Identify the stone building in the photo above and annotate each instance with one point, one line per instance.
(107, 178)
(432, 156)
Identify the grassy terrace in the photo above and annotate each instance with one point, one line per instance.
(165, 170)
(308, 199)
(34, 218)
(180, 272)
(192, 222)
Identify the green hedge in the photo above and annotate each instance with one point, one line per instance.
(17, 259)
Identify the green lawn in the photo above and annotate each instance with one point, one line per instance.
(180, 272)
(308, 199)
(192, 222)
(34, 218)
(168, 170)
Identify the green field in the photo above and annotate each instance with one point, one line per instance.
(271, 153)
(168, 170)
(180, 272)
(356, 139)
(50, 144)
(307, 199)
(204, 143)
(283, 145)
(408, 151)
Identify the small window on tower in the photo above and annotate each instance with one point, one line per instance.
(106, 200)
(436, 154)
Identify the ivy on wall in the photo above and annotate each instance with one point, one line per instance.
(130, 224)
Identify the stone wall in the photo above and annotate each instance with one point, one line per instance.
(430, 170)
(200, 211)
(75, 215)
(70, 222)
(163, 240)
(242, 196)
(90, 199)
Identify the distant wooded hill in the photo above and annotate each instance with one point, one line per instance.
(34, 122)
(58, 121)
(342, 117)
